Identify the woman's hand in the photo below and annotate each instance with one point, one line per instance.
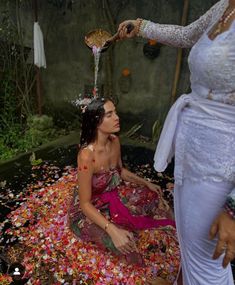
(154, 187)
(224, 228)
(122, 239)
(123, 31)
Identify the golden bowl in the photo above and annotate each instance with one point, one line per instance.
(97, 38)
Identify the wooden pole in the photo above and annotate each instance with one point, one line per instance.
(179, 54)
(39, 90)
(37, 69)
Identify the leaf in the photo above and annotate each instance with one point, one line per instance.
(34, 161)
(156, 130)
(133, 130)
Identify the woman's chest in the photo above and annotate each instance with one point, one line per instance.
(210, 55)
(104, 160)
(212, 63)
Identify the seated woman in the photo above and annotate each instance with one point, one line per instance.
(115, 208)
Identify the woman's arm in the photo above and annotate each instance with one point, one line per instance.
(131, 177)
(123, 240)
(85, 173)
(174, 35)
(128, 176)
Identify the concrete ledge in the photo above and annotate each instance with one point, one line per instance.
(44, 151)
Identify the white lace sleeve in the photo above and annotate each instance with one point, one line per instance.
(179, 36)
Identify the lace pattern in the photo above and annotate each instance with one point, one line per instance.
(214, 67)
(204, 149)
(179, 36)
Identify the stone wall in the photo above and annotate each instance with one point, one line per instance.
(142, 97)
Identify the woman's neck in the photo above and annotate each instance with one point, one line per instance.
(102, 140)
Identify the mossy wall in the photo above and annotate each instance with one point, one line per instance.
(70, 63)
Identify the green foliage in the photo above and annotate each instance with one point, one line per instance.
(5, 152)
(156, 131)
(15, 139)
(133, 130)
(41, 129)
(16, 87)
(15, 71)
(40, 123)
(8, 105)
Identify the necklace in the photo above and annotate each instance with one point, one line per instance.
(223, 21)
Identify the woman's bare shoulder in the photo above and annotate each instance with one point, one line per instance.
(86, 154)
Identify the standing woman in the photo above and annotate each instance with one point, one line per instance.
(200, 131)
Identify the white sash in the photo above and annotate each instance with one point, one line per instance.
(165, 148)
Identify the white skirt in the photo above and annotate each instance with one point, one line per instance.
(205, 156)
(196, 206)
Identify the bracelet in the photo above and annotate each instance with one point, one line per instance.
(229, 207)
(229, 211)
(106, 226)
(138, 26)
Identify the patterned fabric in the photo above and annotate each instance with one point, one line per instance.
(131, 207)
(208, 153)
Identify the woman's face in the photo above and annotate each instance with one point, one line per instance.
(110, 123)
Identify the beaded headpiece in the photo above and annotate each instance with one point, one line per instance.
(83, 102)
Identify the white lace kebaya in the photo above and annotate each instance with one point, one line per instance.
(204, 145)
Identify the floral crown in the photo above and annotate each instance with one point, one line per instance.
(83, 102)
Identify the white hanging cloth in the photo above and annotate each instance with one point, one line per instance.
(39, 54)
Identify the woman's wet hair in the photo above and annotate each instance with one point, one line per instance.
(91, 119)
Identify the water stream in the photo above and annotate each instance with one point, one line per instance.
(97, 52)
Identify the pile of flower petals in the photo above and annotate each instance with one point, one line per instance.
(5, 279)
(40, 224)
